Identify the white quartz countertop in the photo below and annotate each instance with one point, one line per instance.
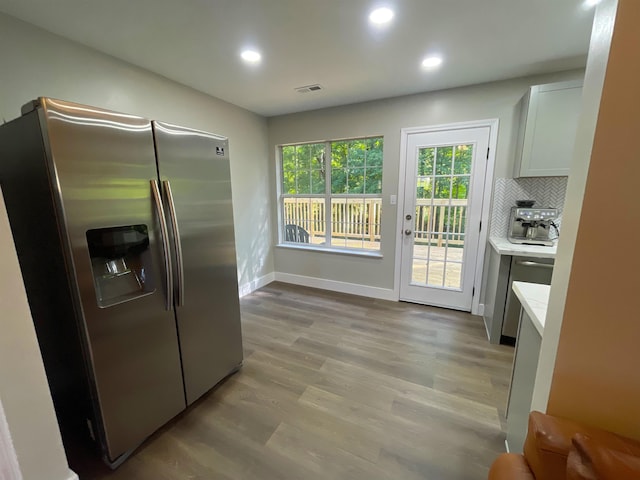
(505, 247)
(534, 298)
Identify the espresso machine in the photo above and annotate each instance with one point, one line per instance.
(532, 226)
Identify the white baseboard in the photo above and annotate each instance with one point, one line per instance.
(255, 284)
(72, 475)
(480, 310)
(336, 286)
(506, 445)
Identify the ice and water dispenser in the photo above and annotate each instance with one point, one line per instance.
(121, 263)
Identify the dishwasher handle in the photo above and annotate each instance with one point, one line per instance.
(529, 263)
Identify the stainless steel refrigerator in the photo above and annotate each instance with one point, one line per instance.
(124, 232)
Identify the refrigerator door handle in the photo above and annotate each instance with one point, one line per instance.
(176, 236)
(164, 233)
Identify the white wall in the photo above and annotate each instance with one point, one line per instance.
(36, 63)
(24, 393)
(387, 117)
(591, 98)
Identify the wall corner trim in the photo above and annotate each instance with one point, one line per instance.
(9, 467)
(337, 286)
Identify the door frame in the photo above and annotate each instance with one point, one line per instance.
(493, 124)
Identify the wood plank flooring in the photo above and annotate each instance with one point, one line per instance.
(341, 387)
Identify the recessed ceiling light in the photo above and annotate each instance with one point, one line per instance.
(251, 56)
(381, 16)
(431, 62)
(590, 3)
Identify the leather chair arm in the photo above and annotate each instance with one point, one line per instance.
(560, 449)
(548, 444)
(510, 466)
(610, 458)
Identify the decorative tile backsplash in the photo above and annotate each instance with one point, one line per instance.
(546, 191)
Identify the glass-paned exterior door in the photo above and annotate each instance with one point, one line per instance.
(442, 209)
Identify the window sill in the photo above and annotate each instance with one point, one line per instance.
(339, 251)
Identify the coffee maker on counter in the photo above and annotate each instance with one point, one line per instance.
(532, 226)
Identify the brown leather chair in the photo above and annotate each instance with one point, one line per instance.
(592, 459)
(561, 449)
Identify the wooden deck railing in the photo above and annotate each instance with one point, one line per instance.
(436, 219)
(360, 218)
(351, 218)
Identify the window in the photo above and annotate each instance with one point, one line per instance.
(336, 184)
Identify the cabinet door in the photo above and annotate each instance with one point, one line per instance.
(523, 376)
(548, 129)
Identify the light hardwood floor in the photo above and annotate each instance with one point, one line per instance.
(336, 386)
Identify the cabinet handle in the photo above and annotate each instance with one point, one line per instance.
(529, 263)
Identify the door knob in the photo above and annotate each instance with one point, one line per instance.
(407, 232)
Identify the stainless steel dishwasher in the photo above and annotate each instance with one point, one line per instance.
(523, 269)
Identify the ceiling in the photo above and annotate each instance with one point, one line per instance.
(330, 42)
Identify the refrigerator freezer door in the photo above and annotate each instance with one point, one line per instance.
(102, 163)
(196, 165)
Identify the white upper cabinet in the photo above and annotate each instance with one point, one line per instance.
(548, 125)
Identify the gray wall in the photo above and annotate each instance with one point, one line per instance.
(34, 439)
(36, 63)
(387, 117)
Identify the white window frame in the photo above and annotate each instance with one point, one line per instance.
(327, 196)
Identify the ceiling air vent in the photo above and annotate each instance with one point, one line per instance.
(309, 88)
